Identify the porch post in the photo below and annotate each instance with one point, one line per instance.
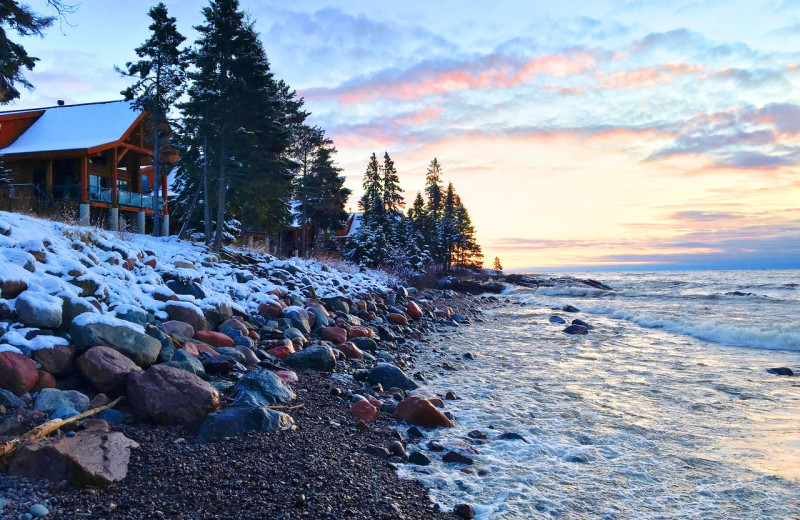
(83, 209)
(140, 222)
(113, 219)
(114, 159)
(48, 178)
(165, 225)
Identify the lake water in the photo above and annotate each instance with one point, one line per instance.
(664, 410)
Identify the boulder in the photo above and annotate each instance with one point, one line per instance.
(388, 376)
(46, 380)
(90, 330)
(414, 310)
(576, 329)
(221, 365)
(582, 324)
(420, 412)
(50, 399)
(457, 458)
(261, 388)
(59, 360)
(180, 328)
(287, 376)
(295, 336)
(72, 307)
(317, 357)
(20, 420)
(250, 357)
(106, 368)
(92, 457)
(9, 400)
(350, 351)
(399, 319)
(333, 334)
(38, 309)
(239, 420)
(282, 350)
(187, 313)
(215, 339)
(557, 319)
(570, 308)
(357, 331)
(364, 410)
(781, 371)
(131, 314)
(299, 318)
(185, 361)
(187, 288)
(171, 396)
(17, 373)
(232, 353)
(10, 289)
(367, 344)
(271, 309)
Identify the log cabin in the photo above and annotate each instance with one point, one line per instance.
(96, 158)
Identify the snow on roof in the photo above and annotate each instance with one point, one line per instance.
(357, 221)
(75, 127)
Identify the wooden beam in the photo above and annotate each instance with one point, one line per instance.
(84, 179)
(120, 154)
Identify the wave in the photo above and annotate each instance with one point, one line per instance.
(775, 337)
(585, 292)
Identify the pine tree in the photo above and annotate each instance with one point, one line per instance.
(13, 56)
(447, 231)
(416, 214)
(466, 249)
(306, 141)
(247, 116)
(498, 267)
(434, 208)
(372, 186)
(391, 193)
(325, 194)
(160, 77)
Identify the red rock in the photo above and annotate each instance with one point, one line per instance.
(350, 351)
(165, 297)
(287, 376)
(202, 347)
(58, 360)
(150, 262)
(361, 305)
(334, 334)
(420, 412)
(10, 289)
(45, 380)
(357, 331)
(319, 307)
(374, 401)
(92, 457)
(106, 368)
(254, 335)
(215, 339)
(191, 349)
(398, 318)
(271, 309)
(129, 264)
(187, 313)
(281, 351)
(171, 396)
(413, 310)
(364, 411)
(17, 373)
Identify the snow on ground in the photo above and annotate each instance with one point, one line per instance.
(99, 269)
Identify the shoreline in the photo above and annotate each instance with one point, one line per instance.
(207, 318)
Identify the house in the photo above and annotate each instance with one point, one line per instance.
(354, 221)
(96, 156)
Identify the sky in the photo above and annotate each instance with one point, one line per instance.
(580, 135)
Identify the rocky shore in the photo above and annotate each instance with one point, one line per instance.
(251, 387)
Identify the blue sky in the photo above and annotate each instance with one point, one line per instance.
(648, 134)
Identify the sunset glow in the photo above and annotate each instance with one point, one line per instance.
(578, 134)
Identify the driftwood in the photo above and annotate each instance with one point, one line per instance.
(7, 448)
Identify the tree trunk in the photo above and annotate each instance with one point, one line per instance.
(156, 169)
(223, 181)
(189, 213)
(206, 194)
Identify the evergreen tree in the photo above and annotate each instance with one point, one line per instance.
(466, 250)
(498, 267)
(372, 186)
(391, 193)
(247, 116)
(325, 194)
(160, 77)
(306, 141)
(416, 214)
(434, 208)
(20, 19)
(446, 228)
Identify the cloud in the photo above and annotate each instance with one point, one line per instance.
(646, 77)
(703, 216)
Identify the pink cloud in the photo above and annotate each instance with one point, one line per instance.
(488, 73)
(646, 77)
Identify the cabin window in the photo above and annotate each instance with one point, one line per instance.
(98, 181)
(122, 184)
(145, 183)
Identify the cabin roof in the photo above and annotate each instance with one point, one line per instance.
(74, 127)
